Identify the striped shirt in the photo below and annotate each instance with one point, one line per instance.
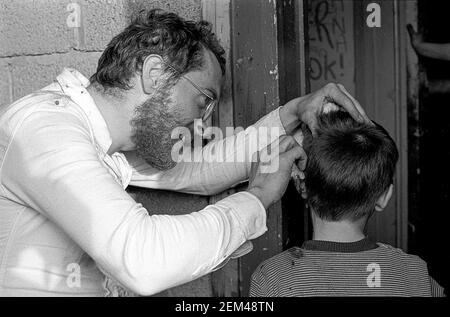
(362, 268)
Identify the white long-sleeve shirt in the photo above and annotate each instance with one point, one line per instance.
(67, 225)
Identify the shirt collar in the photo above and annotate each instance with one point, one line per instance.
(74, 85)
(344, 247)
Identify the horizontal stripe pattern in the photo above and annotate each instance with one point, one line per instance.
(382, 271)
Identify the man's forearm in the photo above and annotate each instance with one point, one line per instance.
(224, 163)
(434, 50)
(439, 86)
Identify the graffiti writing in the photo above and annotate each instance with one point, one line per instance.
(331, 41)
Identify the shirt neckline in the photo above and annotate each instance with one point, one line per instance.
(74, 85)
(343, 247)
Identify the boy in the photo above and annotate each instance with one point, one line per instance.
(349, 176)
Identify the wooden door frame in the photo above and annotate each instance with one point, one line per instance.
(370, 91)
(251, 33)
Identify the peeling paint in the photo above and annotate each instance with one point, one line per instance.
(274, 13)
(274, 72)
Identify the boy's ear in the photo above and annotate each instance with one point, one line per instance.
(152, 68)
(384, 199)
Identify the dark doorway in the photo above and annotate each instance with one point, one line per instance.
(429, 221)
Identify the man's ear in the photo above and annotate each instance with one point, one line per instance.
(151, 72)
(384, 199)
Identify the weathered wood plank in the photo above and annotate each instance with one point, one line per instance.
(380, 87)
(224, 282)
(255, 87)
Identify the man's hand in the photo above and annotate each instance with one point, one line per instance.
(307, 108)
(297, 175)
(269, 187)
(431, 50)
(415, 37)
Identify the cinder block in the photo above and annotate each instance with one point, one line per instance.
(31, 73)
(105, 19)
(39, 27)
(34, 27)
(188, 9)
(5, 82)
(101, 21)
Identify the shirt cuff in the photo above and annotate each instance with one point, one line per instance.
(250, 213)
(248, 217)
(244, 249)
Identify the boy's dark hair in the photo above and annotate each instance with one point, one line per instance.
(350, 165)
(179, 42)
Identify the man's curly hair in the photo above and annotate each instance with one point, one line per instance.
(179, 42)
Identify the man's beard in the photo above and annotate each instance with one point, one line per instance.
(152, 126)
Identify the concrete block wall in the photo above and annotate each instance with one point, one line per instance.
(36, 44)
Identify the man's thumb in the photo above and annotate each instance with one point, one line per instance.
(295, 153)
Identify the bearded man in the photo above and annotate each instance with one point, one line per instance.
(69, 150)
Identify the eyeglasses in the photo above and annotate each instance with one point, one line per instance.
(211, 103)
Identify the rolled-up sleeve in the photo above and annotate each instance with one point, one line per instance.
(225, 162)
(51, 165)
